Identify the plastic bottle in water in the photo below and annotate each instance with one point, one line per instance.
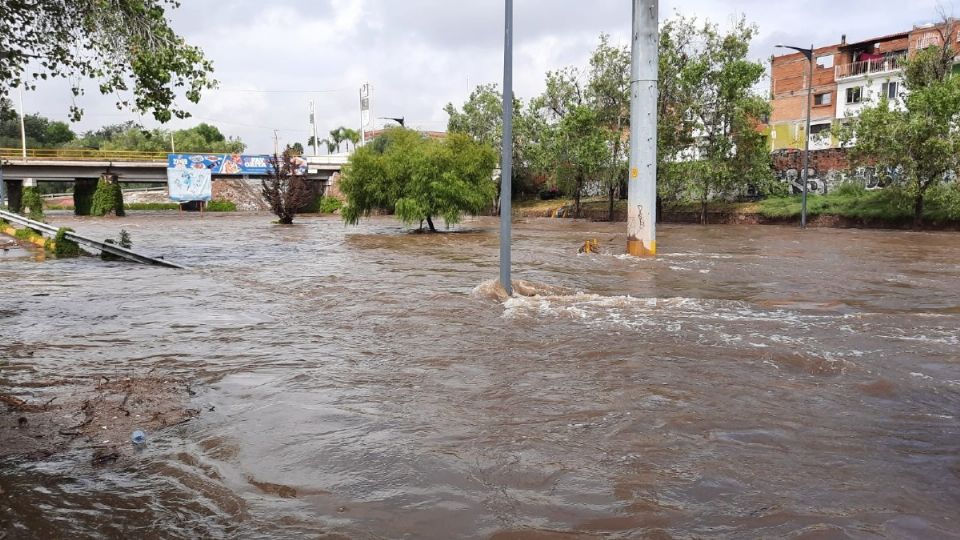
(138, 438)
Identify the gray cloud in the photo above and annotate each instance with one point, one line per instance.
(421, 54)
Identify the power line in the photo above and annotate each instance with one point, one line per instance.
(255, 91)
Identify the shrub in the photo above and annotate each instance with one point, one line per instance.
(123, 240)
(107, 199)
(34, 202)
(330, 205)
(221, 206)
(63, 247)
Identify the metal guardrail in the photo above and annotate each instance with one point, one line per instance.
(81, 154)
(125, 191)
(112, 249)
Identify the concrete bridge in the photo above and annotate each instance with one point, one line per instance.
(85, 166)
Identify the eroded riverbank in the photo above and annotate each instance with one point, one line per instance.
(752, 381)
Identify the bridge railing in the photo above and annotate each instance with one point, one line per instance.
(80, 154)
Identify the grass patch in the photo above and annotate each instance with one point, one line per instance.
(221, 206)
(848, 201)
(27, 235)
(151, 206)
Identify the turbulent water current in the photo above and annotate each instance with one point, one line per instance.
(362, 382)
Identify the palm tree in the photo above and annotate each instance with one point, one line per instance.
(331, 146)
(351, 135)
(337, 136)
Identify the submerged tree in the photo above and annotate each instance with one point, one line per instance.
(284, 189)
(126, 46)
(419, 178)
(917, 145)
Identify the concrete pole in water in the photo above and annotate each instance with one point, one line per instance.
(642, 184)
(506, 168)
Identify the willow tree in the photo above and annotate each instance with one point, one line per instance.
(916, 146)
(419, 178)
(126, 47)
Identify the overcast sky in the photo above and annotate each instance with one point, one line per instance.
(272, 58)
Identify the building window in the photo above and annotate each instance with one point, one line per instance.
(890, 90)
(823, 99)
(825, 62)
(818, 129)
(854, 95)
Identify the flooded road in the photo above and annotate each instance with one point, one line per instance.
(360, 383)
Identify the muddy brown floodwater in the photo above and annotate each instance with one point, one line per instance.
(362, 383)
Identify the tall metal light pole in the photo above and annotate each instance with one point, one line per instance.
(23, 129)
(506, 168)
(806, 146)
(642, 184)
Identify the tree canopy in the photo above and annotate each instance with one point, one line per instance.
(419, 178)
(917, 145)
(41, 132)
(574, 136)
(126, 46)
(130, 136)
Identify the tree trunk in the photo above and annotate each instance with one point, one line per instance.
(918, 210)
(703, 212)
(576, 201)
(610, 207)
(430, 224)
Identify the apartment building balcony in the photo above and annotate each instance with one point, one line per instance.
(870, 67)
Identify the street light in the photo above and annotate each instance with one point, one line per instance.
(806, 147)
(400, 120)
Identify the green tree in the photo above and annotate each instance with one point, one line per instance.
(350, 135)
(126, 46)
(481, 117)
(337, 136)
(418, 178)
(582, 149)
(915, 146)
(131, 137)
(608, 92)
(677, 87)
(725, 110)
(41, 132)
(296, 149)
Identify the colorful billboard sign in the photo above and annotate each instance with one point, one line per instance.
(187, 185)
(229, 164)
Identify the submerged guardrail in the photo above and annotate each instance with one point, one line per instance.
(112, 249)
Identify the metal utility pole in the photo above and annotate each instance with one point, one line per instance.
(276, 142)
(23, 128)
(642, 184)
(365, 99)
(506, 168)
(808, 53)
(313, 129)
(173, 147)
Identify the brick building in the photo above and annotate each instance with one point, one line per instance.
(846, 77)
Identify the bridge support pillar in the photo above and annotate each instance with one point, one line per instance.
(14, 191)
(83, 190)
